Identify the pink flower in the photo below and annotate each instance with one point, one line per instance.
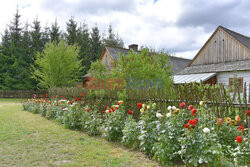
(182, 105)
(190, 107)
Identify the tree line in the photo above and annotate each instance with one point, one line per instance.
(21, 42)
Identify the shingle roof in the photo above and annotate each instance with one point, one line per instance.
(177, 63)
(220, 67)
(239, 37)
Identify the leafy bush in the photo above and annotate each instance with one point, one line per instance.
(131, 133)
(114, 124)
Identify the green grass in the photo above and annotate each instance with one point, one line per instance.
(28, 139)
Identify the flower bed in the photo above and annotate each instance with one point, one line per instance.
(178, 135)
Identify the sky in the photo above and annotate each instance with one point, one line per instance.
(180, 27)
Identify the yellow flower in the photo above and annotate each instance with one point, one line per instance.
(143, 105)
(177, 110)
(142, 110)
(237, 118)
(201, 103)
(148, 107)
(228, 120)
(121, 101)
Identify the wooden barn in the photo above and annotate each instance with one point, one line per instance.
(224, 58)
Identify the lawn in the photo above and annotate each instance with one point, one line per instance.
(28, 139)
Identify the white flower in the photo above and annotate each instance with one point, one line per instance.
(116, 106)
(201, 103)
(168, 115)
(212, 128)
(206, 130)
(173, 108)
(153, 105)
(169, 108)
(142, 110)
(107, 111)
(65, 109)
(159, 115)
(148, 107)
(143, 105)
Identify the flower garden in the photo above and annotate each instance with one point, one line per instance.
(183, 134)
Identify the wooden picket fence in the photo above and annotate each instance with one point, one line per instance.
(22, 93)
(220, 100)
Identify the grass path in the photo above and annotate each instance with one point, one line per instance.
(28, 139)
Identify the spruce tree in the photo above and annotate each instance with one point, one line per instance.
(113, 39)
(72, 32)
(95, 44)
(55, 32)
(83, 39)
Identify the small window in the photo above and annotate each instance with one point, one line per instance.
(235, 83)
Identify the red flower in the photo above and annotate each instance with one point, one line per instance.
(139, 105)
(70, 102)
(117, 107)
(248, 112)
(193, 111)
(60, 96)
(182, 105)
(195, 121)
(81, 95)
(106, 107)
(113, 109)
(190, 122)
(110, 110)
(84, 93)
(239, 139)
(79, 99)
(86, 102)
(130, 112)
(103, 112)
(186, 126)
(88, 109)
(190, 107)
(241, 128)
(75, 98)
(118, 103)
(47, 94)
(64, 98)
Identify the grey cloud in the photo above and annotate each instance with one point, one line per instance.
(89, 6)
(210, 14)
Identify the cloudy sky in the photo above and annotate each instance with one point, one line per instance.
(178, 26)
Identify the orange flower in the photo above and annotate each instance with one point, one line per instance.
(233, 122)
(228, 120)
(237, 118)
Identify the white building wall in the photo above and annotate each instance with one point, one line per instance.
(223, 77)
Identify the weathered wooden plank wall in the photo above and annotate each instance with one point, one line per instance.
(221, 48)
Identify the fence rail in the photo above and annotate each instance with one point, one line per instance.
(21, 93)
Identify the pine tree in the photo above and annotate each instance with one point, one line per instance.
(83, 39)
(36, 37)
(72, 32)
(113, 39)
(95, 44)
(55, 32)
(46, 35)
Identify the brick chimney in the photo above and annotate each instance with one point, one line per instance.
(133, 47)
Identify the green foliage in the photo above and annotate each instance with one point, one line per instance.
(113, 39)
(57, 65)
(143, 65)
(131, 133)
(114, 124)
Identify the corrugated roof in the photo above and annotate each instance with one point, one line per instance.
(239, 37)
(178, 64)
(220, 67)
(181, 79)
